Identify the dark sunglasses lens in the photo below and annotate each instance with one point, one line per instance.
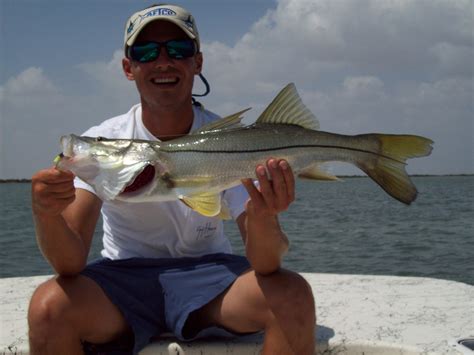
(145, 52)
(180, 49)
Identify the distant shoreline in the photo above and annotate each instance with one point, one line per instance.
(7, 181)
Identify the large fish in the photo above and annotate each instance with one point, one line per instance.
(195, 168)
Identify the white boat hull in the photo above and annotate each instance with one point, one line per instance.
(357, 314)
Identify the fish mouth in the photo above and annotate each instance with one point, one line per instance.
(141, 180)
(67, 145)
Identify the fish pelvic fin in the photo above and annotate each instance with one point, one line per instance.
(224, 213)
(288, 108)
(207, 204)
(389, 169)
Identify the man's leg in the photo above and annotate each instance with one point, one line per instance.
(282, 304)
(67, 310)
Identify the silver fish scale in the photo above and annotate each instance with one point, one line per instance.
(257, 137)
(222, 158)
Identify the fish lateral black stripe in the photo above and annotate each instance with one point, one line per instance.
(280, 148)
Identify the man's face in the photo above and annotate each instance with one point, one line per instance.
(165, 82)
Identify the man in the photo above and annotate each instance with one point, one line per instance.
(161, 273)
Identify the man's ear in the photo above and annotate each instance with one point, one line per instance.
(198, 58)
(127, 68)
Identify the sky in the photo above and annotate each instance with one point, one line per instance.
(387, 66)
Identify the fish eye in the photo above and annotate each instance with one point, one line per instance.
(99, 139)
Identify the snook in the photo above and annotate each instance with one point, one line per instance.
(196, 167)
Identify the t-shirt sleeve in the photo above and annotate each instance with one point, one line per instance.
(80, 184)
(235, 199)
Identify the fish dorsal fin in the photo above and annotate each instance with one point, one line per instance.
(287, 108)
(207, 204)
(231, 121)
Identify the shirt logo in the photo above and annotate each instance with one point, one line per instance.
(206, 231)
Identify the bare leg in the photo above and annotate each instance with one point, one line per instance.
(291, 302)
(67, 310)
(281, 303)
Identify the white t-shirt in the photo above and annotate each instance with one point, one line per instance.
(159, 229)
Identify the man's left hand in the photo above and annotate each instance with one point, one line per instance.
(276, 189)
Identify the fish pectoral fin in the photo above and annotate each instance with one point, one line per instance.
(287, 108)
(231, 121)
(316, 173)
(207, 204)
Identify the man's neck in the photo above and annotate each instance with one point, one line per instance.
(165, 123)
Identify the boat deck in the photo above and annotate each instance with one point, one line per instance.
(357, 314)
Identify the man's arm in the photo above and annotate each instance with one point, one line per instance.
(265, 242)
(65, 219)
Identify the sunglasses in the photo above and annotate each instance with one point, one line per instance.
(150, 51)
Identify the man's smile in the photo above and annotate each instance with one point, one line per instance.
(165, 81)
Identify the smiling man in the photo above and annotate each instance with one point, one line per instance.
(165, 268)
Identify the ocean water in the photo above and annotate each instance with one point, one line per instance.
(351, 227)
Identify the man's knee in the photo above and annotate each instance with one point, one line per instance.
(288, 289)
(48, 309)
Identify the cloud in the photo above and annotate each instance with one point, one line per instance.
(390, 66)
(24, 100)
(401, 66)
(453, 59)
(321, 42)
(35, 113)
(30, 81)
(109, 78)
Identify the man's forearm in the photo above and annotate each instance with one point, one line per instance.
(265, 244)
(61, 246)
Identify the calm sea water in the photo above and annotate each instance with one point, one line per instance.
(351, 227)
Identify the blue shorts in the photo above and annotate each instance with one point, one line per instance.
(156, 296)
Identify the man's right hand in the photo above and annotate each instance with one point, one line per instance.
(65, 219)
(52, 190)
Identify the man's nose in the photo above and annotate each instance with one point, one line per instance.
(163, 57)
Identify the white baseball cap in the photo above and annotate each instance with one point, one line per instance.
(172, 13)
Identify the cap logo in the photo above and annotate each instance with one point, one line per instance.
(189, 23)
(130, 27)
(179, 16)
(162, 11)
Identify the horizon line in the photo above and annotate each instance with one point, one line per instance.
(24, 180)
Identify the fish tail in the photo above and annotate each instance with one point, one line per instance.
(388, 170)
(404, 146)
